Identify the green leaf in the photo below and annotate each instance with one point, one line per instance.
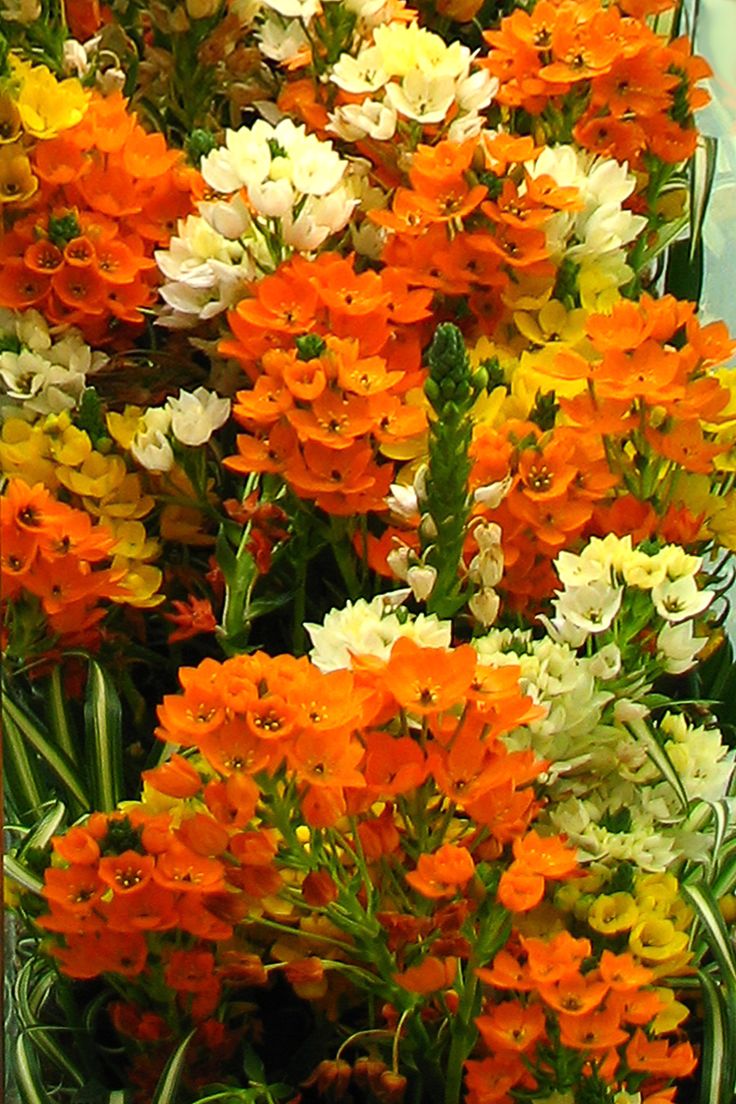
(716, 1079)
(26, 1069)
(661, 760)
(168, 1084)
(103, 724)
(702, 175)
(17, 872)
(57, 716)
(40, 836)
(22, 782)
(31, 730)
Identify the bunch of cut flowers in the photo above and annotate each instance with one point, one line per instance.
(367, 517)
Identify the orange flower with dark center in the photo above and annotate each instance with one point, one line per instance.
(575, 996)
(126, 873)
(321, 758)
(596, 1031)
(180, 868)
(428, 680)
(511, 1026)
(76, 888)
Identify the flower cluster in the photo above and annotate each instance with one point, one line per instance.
(406, 75)
(334, 356)
(42, 372)
(33, 106)
(55, 570)
(601, 72)
(108, 194)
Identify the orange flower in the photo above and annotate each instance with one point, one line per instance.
(428, 680)
(192, 617)
(176, 778)
(431, 975)
(575, 996)
(443, 873)
(596, 1031)
(511, 1026)
(180, 868)
(547, 855)
(519, 890)
(126, 873)
(656, 1057)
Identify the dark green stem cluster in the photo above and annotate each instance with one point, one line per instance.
(452, 389)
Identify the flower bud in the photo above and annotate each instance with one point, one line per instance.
(330, 1079)
(367, 1072)
(318, 889)
(390, 1088)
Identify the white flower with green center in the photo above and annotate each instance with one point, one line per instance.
(680, 599)
(590, 608)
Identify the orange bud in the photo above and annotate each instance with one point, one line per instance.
(331, 1079)
(391, 1087)
(318, 889)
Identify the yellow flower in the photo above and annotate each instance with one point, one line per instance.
(132, 542)
(662, 887)
(613, 913)
(123, 427)
(727, 905)
(48, 106)
(17, 182)
(672, 1015)
(598, 284)
(544, 920)
(553, 323)
(141, 582)
(97, 477)
(655, 940)
(9, 118)
(126, 500)
(24, 452)
(71, 448)
(723, 523)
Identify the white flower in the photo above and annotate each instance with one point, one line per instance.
(279, 42)
(367, 119)
(371, 628)
(590, 608)
(402, 501)
(360, 74)
(484, 606)
(426, 98)
(152, 450)
(421, 578)
(677, 647)
(196, 415)
(679, 599)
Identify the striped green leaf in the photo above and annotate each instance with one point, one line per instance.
(715, 933)
(17, 872)
(25, 789)
(725, 880)
(37, 737)
(48, 826)
(168, 1084)
(57, 716)
(702, 175)
(104, 746)
(716, 1078)
(27, 1073)
(661, 760)
(720, 1011)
